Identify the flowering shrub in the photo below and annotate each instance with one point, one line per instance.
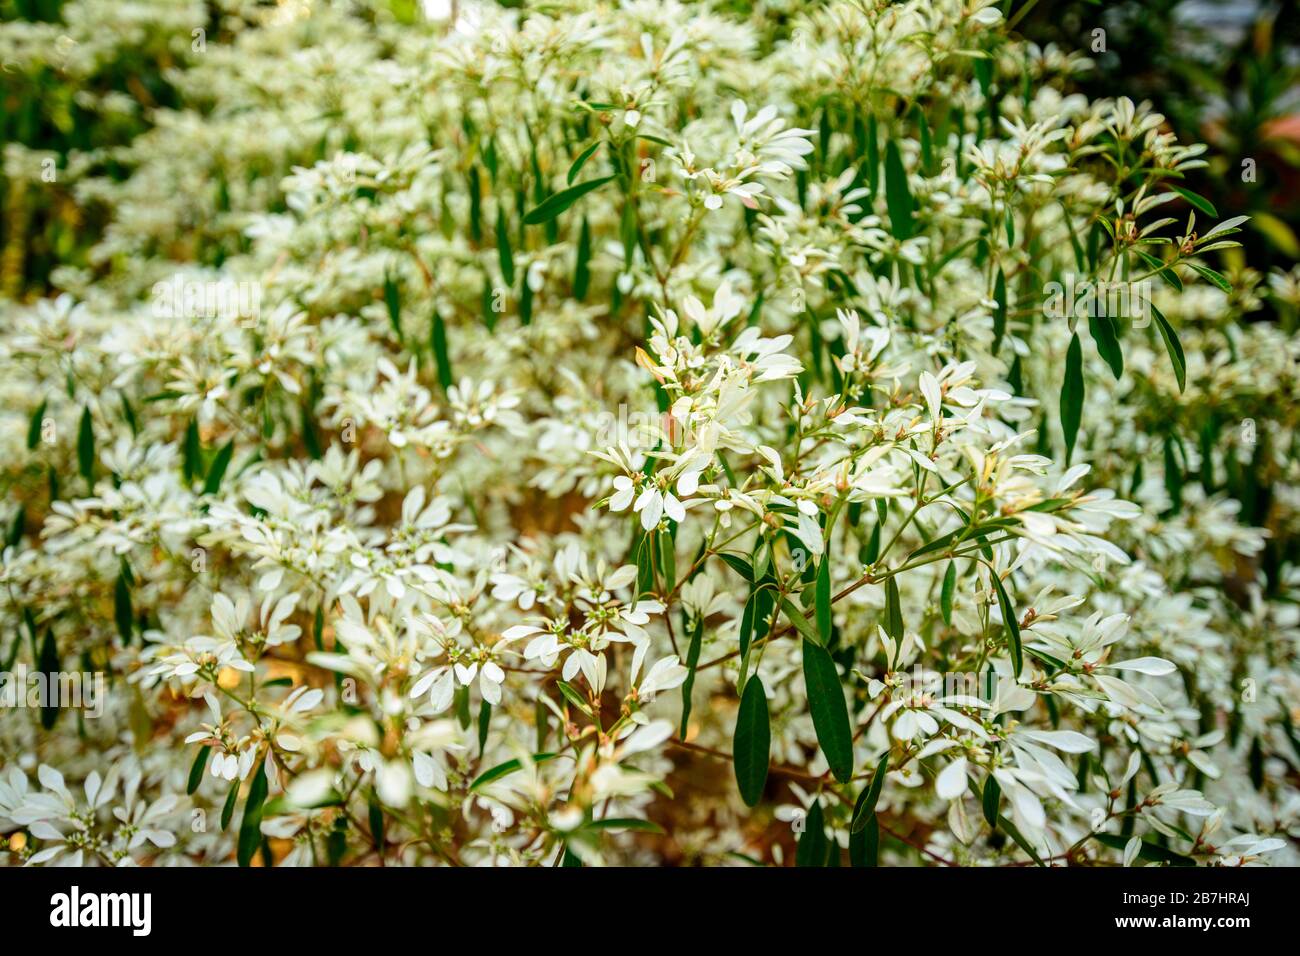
(645, 432)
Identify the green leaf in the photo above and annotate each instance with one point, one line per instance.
(15, 533)
(582, 268)
(752, 743)
(503, 249)
(375, 817)
(1072, 394)
(49, 666)
(1200, 202)
(738, 564)
(1010, 829)
(556, 203)
(823, 597)
(813, 848)
(1205, 272)
(1104, 335)
(893, 610)
(122, 612)
(1000, 309)
(218, 469)
(945, 595)
(475, 207)
(34, 428)
(1172, 346)
(86, 448)
(624, 823)
(668, 559)
(991, 800)
(801, 623)
(865, 809)
(688, 685)
(392, 300)
(747, 621)
(197, 768)
(484, 725)
(504, 769)
(250, 827)
(438, 340)
(1009, 616)
(898, 196)
(228, 808)
(830, 714)
(864, 846)
(578, 163)
(192, 452)
(873, 155)
(573, 697)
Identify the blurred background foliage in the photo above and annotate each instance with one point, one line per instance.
(1223, 72)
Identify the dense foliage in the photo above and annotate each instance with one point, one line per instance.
(632, 433)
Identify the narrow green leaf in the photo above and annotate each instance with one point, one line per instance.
(813, 848)
(898, 195)
(393, 302)
(801, 623)
(1000, 309)
(218, 469)
(504, 769)
(475, 205)
(1172, 346)
(688, 685)
(1010, 829)
(573, 697)
(556, 203)
(945, 595)
(582, 266)
(747, 621)
(16, 527)
(1008, 611)
(86, 448)
(250, 827)
(197, 768)
(1200, 202)
(873, 155)
(34, 427)
(228, 808)
(376, 819)
(823, 596)
(503, 249)
(991, 801)
(1106, 338)
(1072, 394)
(830, 714)
(752, 742)
(1218, 278)
(865, 809)
(893, 610)
(624, 823)
(738, 564)
(122, 612)
(578, 163)
(192, 452)
(438, 340)
(484, 725)
(49, 666)
(864, 845)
